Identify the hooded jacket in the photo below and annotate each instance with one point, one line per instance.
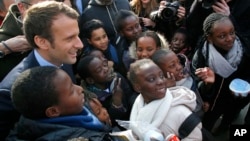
(167, 114)
(105, 12)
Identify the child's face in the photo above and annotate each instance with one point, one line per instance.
(99, 39)
(99, 111)
(150, 82)
(222, 34)
(100, 71)
(146, 46)
(131, 28)
(71, 98)
(171, 63)
(178, 42)
(99, 54)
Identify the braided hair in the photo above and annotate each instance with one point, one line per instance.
(210, 20)
(207, 27)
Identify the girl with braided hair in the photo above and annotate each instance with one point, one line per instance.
(220, 57)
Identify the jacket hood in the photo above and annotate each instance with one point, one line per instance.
(132, 48)
(183, 96)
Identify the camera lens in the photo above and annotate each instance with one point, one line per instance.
(168, 13)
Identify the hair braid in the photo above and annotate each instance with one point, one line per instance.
(210, 20)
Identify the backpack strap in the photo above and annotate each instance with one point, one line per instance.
(188, 125)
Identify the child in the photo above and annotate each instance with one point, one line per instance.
(175, 73)
(96, 36)
(111, 88)
(221, 57)
(146, 44)
(51, 107)
(94, 105)
(128, 26)
(163, 108)
(179, 43)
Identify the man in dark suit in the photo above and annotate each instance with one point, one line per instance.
(54, 36)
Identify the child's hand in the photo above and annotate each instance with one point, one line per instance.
(206, 75)
(170, 80)
(117, 92)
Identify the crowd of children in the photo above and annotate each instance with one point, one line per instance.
(118, 63)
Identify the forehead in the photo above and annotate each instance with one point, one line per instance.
(165, 59)
(94, 63)
(222, 24)
(130, 20)
(98, 32)
(147, 67)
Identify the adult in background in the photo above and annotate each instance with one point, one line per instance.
(4, 6)
(55, 41)
(105, 11)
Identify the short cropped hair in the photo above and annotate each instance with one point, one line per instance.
(34, 91)
(90, 26)
(135, 68)
(39, 19)
(158, 54)
(83, 66)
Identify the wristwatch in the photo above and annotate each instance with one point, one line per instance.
(2, 54)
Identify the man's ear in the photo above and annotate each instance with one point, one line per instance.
(90, 80)
(52, 111)
(41, 42)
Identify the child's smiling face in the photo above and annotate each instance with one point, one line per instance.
(101, 72)
(171, 63)
(146, 46)
(99, 39)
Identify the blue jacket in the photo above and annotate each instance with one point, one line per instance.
(8, 114)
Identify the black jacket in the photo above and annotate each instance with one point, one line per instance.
(27, 130)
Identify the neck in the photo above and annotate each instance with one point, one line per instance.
(221, 51)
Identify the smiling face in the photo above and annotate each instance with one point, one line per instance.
(150, 82)
(101, 72)
(222, 34)
(99, 39)
(71, 98)
(66, 43)
(171, 63)
(146, 46)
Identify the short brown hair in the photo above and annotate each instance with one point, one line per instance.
(39, 18)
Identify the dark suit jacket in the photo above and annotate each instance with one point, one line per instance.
(8, 115)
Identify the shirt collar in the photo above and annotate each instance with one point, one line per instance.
(42, 61)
